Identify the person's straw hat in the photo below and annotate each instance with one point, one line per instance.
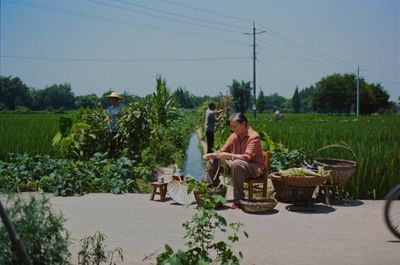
(114, 95)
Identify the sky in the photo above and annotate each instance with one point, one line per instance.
(122, 45)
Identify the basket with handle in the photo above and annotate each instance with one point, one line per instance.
(282, 192)
(341, 170)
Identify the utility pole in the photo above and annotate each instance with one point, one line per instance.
(254, 65)
(358, 90)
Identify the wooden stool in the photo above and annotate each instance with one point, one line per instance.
(162, 190)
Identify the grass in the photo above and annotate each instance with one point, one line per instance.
(374, 139)
(27, 133)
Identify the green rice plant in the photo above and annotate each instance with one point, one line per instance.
(27, 133)
(374, 139)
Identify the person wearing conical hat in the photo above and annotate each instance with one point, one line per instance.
(114, 113)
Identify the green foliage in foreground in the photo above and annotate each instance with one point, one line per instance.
(66, 177)
(93, 251)
(41, 231)
(200, 234)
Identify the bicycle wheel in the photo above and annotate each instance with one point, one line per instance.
(392, 211)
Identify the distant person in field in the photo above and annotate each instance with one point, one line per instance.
(278, 115)
(243, 155)
(210, 126)
(114, 113)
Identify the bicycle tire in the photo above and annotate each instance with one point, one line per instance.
(393, 225)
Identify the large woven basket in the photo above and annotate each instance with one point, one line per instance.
(282, 192)
(341, 170)
(258, 205)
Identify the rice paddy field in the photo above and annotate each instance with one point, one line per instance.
(27, 133)
(375, 141)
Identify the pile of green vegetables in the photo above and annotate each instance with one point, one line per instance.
(302, 172)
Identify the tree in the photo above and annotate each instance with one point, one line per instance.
(184, 98)
(306, 96)
(13, 93)
(336, 94)
(373, 99)
(88, 101)
(54, 96)
(241, 94)
(275, 101)
(261, 102)
(296, 101)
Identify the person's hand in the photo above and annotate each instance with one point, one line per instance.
(211, 156)
(224, 156)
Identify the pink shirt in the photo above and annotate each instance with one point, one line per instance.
(249, 147)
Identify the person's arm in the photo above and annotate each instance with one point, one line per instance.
(250, 152)
(221, 154)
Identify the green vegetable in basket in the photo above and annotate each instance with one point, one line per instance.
(301, 172)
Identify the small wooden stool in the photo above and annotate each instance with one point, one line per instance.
(162, 190)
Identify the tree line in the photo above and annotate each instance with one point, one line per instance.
(332, 94)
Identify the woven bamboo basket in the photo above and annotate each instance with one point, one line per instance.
(258, 205)
(341, 170)
(282, 191)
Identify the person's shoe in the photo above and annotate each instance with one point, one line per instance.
(235, 206)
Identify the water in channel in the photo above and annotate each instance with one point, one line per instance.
(194, 165)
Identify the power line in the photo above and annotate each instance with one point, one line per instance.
(162, 17)
(306, 59)
(178, 15)
(308, 49)
(110, 20)
(88, 60)
(278, 76)
(205, 11)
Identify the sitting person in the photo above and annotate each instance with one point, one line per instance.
(243, 155)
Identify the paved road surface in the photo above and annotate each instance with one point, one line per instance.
(354, 234)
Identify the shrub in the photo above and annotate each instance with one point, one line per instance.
(41, 231)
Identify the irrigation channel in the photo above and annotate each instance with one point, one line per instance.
(194, 165)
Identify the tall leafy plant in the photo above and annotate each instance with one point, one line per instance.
(200, 235)
(45, 239)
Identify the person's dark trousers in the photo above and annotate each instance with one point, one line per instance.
(210, 141)
(113, 145)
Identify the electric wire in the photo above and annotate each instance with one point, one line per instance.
(163, 17)
(307, 49)
(289, 54)
(179, 15)
(124, 60)
(205, 11)
(277, 76)
(113, 20)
